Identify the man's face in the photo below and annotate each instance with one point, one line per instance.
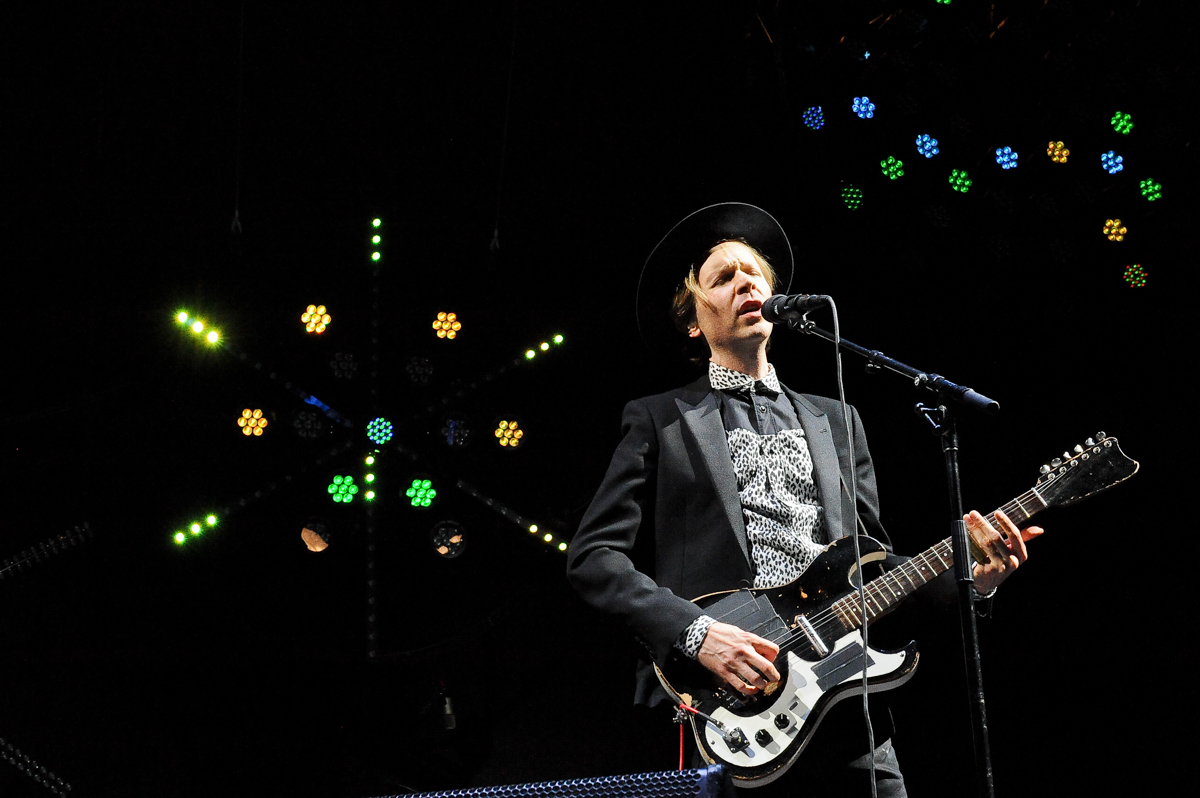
(735, 286)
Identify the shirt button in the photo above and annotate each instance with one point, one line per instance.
(761, 409)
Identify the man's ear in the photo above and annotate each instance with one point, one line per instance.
(694, 331)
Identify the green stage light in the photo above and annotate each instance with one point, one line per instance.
(1151, 190)
(1122, 123)
(421, 493)
(342, 489)
(853, 197)
(892, 167)
(376, 241)
(180, 538)
(960, 180)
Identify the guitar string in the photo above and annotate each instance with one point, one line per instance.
(831, 617)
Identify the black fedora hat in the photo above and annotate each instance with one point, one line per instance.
(687, 245)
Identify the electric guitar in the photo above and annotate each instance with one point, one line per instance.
(816, 621)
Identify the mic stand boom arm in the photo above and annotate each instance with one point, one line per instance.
(942, 423)
(878, 360)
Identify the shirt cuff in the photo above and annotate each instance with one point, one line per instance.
(691, 638)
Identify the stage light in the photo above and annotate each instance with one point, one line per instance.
(927, 145)
(379, 431)
(544, 346)
(1006, 158)
(892, 167)
(1115, 230)
(420, 370)
(852, 197)
(814, 118)
(1135, 275)
(376, 240)
(421, 493)
(447, 325)
(197, 326)
(309, 424)
(252, 422)
(1151, 190)
(509, 435)
(456, 432)
(1057, 151)
(960, 180)
(315, 319)
(1111, 162)
(863, 107)
(342, 489)
(1122, 123)
(343, 366)
(448, 538)
(194, 529)
(315, 536)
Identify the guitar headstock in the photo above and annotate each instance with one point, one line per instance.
(1093, 466)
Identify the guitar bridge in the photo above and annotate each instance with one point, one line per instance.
(814, 639)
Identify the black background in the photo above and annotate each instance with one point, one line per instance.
(574, 135)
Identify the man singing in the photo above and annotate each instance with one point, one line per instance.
(736, 480)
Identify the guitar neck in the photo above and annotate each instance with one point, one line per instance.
(885, 592)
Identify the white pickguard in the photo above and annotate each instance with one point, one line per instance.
(795, 700)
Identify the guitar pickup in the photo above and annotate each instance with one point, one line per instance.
(814, 639)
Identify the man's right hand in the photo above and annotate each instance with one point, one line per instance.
(738, 658)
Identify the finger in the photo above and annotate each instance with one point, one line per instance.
(1015, 542)
(764, 668)
(1029, 533)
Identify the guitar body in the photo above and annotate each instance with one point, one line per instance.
(760, 737)
(816, 621)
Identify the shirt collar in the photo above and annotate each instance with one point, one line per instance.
(723, 379)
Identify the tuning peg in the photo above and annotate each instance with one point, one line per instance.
(1100, 436)
(1090, 442)
(1055, 463)
(1078, 449)
(1045, 469)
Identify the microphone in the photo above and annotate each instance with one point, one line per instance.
(781, 309)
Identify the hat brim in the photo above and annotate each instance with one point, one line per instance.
(687, 244)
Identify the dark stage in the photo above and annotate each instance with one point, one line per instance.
(226, 160)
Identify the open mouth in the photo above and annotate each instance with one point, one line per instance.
(753, 306)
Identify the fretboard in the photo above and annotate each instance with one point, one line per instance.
(885, 592)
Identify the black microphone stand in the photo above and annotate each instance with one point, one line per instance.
(942, 423)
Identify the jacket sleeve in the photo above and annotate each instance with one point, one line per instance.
(600, 561)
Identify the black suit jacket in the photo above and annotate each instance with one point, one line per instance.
(666, 524)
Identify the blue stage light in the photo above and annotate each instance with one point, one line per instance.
(863, 107)
(927, 145)
(1111, 162)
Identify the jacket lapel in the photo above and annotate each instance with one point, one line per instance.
(826, 470)
(702, 420)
